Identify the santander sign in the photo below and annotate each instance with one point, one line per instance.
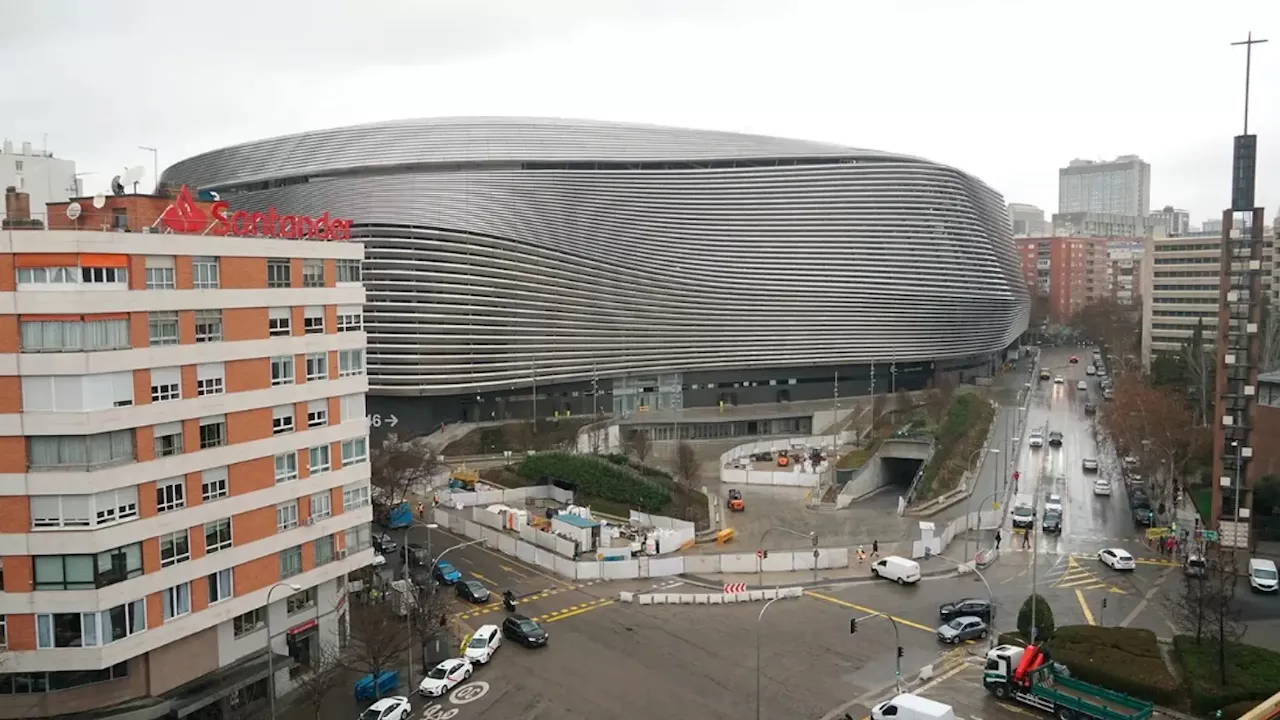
(185, 216)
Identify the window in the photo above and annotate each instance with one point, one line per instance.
(217, 535)
(350, 362)
(176, 601)
(111, 506)
(286, 467)
(290, 562)
(279, 273)
(321, 505)
(220, 586)
(281, 419)
(349, 318)
(4, 632)
(171, 494)
(204, 273)
(358, 538)
(319, 461)
(17, 165)
(299, 601)
(77, 393)
(211, 379)
(104, 275)
(175, 547)
(48, 276)
(166, 384)
(250, 622)
(317, 366)
(282, 370)
(79, 511)
(160, 274)
(355, 496)
(355, 450)
(213, 432)
(347, 271)
(86, 572)
(313, 320)
(324, 550)
(168, 439)
(208, 326)
(279, 321)
(287, 516)
(317, 413)
(312, 273)
(74, 335)
(351, 408)
(80, 452)
(106, 334)
(213, 483)
(162, 328)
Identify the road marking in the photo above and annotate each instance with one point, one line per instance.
(1088, 614)
(483, 579)
(507, 559)
(469, 693)
(1077, 577)
(1142, 605)
(494, 607)
(575, 610)
(513, 571)
(869, 611)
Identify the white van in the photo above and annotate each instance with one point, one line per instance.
(1262, 575)
(900, 570)
(912, 707)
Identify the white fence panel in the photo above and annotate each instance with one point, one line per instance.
(664, 567)
(529, 535)
(622, 570)
(507, 545)
(462, 499)
(526, 552)
(588, 570)
(838, 557)
(778, 562)
(489, 497)
(702, 564)
(544, 540)
(546, 559)
(566, 568)
(737, 477)
(440, 517)
(803, 560)
(472, 530)
(564, 547)
(738, 563)
(491, 537)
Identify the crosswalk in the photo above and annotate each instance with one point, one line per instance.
(1075, 576)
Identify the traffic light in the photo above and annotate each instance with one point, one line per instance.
(762, 554)
(899, 651)
(1104, 603)
(853, 625)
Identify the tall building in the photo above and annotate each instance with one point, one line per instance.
(1089, 224)
(1173, 221)
(183, 433)
(1211, 226)
(1124, 270)
(43, 177)
(1070, 271)
(1027, 220)
(1116, 187)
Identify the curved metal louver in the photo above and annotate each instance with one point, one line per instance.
(503, 248)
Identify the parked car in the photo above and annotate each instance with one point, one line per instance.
(1143, 516)
(419, 556)
(1024, 516)
(524, 631)
(444, 677)
(1108, 394)
(1055, 439)
(483, 644)
(472, 591)
(446, 574)
(388, 708)
(384, 545)
(1052, 502)
(1089, 464)
(961, 629)
(1052, 522)
(1262, 575)
(969, 607)
(1117, 559)
(1090, 409)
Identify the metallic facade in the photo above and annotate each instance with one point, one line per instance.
(500, 250)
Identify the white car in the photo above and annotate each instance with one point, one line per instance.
(389, 708)
(1053, 503)
(378, 561)
(444, 677)
(1089, 464)
(1036, 438)
(1058, 380)
(482, 645)
(1082, 385)
(1089, 370)
(1102, 486)
(1116, 559)
(1130, 460)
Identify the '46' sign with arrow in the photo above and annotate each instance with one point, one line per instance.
(375, 420)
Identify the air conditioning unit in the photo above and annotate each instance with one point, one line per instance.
(342, 553)
(311, 520)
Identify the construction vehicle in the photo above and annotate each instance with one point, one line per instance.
(464, 479)
(736, 503)
(1030, 676)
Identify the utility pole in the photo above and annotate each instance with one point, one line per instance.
(533, 372)
(1035, 560)
(595, 392)
(835, 418)
(893, 373)
(1248, 70)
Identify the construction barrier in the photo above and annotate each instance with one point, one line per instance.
(710, 598)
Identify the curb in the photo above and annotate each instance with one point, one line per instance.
(708, 583)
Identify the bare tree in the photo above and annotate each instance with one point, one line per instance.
(903, 405)
(429, 621)
(937, 405)
(1188, 607)
(517, 435)
(1270, 359)
(1224, 625)
(1201, 366)
(687, 465)
(317, 685)
(399, 468)
(379, 638)
(878, 403)
(639, 443)
(595, 439)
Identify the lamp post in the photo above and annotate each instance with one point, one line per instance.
(853, 627)
(968, 507)
(811, 536)
(408, 617)
(271, 664)
(155, 164)
(1235, 486)
(759, 624)
(991, 602)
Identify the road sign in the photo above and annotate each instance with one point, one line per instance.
(1211, 536)
(376, 420)
(734, 588)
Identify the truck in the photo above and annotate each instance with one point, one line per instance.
(403, 597)
(1029, 676)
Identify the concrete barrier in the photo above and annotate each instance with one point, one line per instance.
(821, 441)
(517, 497)
(710, 598)
(734, 476)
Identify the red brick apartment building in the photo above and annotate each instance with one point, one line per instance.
(182, 431)
(1070, 271)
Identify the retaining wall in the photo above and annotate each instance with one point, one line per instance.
(516, 498)
(822, 441)
(734, 476)
(710, 598)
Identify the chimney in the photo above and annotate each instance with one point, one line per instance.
(26, 148)
(17, 205)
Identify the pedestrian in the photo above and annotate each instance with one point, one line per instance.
(862, 555)
(422, 510)
(875, 548)
(435, 501)
(1026, 539)
(997, 538)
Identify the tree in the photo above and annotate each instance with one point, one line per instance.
(429, 623)
(596, 437)
(318, 684)
(903, 405)
(1044, 628)
(398, 468)
(936, 405)
(1222, 613)
(1039, 312)
(378, 639)
(1114, 326)
(517, 435)
(1270, 356)
(1188, 608)
(1200, 370)
(639, 444)
(687, 464)
(878, 403)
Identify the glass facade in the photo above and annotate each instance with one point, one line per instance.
(647, 393)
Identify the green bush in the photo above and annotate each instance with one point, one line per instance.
(1126, 660)
(1252, 673)
(1044, 618)
(598, 478)
(961, 434)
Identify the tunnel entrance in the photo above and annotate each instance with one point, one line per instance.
(899, 472)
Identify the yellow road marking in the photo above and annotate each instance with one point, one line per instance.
(1088, 614)
(860, 608)
(483, 579)
(1077, 577)
(575, 610)
(506, 559)
(513, 571)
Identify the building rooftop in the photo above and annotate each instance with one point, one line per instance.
(1270, 377)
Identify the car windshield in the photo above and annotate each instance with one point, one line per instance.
(479, 642)
(1052, 517)
(1264, 574)
(438, 672)
(372, 713)
(529, 626)
(956, 624)
(444, 568)
(1023, 510)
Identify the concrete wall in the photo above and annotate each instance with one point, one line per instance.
(820, 441)
(729, 476)
(870, 477)
(516, 498)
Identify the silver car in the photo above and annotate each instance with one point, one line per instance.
(961, 629)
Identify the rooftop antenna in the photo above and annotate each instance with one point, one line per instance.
(99, 200)
(132, 176)
(117, 187)
(1248, 68)
(155, 164)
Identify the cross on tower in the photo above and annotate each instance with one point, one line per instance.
(1248, 66)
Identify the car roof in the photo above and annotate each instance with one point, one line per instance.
(1262, 564)
(967, 618)
(517, 617)
(451, 662)
(485, 631)
(387, 702)
(444, 566)
(1119, 552)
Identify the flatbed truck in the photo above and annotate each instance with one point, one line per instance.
(1049, 688)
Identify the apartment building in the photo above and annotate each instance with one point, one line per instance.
(183, 460)
(1070, 271)
(1180, 280)
(1124, 270)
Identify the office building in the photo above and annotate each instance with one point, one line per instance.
(1124, 270)
(43, 177)
(1027, 220)
(1102, 225)
(1116, 187)
(1172, 221)
(1070, 271)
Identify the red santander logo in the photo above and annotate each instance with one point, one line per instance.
(185, 216)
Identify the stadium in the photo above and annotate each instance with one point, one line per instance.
(520, 265)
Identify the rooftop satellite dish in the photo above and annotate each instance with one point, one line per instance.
(117, 187)
(99, 200)
(132, 176)
(73, 211)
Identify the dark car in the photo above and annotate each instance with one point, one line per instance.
(472, 591)
(969, 607)
(1052, 523)
(1090, 409)
(419, 556)
(384, 545)
(1143, 516)
(524, 631)
(1138, 499)
(1055, 439)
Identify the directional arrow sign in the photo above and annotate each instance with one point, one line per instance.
(392, 420)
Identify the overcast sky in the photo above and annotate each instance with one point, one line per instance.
(1007, 90)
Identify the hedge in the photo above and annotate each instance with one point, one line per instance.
(962, 432)
(645, 470)
(598, 478)
(1126, 660)
(1252, 673)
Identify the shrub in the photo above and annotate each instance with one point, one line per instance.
(963, 430)
(1251, 673)
(598, 478)
(1126, 660)
(1044, 618)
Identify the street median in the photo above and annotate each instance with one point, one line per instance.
(748, 596)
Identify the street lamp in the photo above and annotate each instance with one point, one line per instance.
(759, 622)
(853, 627)
(811, 536)
(408, 616)
(991, 602)
(968, 507)
(271, 664)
